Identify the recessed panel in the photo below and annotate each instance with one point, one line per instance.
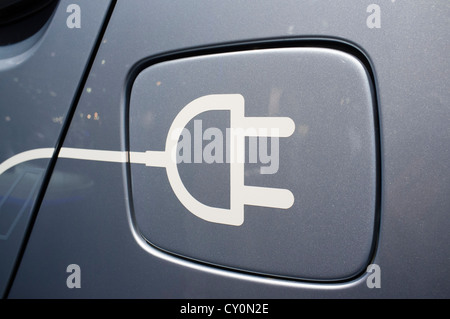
(262, 161)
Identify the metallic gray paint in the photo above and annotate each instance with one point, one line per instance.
(409, 55)
(38, 80)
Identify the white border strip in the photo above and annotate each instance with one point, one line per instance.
(25, 157)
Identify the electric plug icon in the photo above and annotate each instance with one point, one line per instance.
(241, 127)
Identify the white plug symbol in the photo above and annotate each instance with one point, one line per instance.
(243, 126)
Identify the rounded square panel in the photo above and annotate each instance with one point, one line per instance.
(262, 161)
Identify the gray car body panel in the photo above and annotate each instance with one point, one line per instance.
(38, 80)
(409, 58)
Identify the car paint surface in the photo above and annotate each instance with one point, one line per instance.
(84, 217)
